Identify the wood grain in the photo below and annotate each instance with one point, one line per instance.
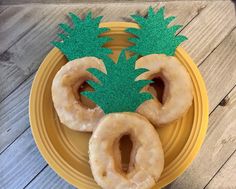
(219, 144)
(15, 23)
(24, 57)
(2, 8)
(20, 163)
(225, 178)
(219, 70)
(207, 31)
(14, 119)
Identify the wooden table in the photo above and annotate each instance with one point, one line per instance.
(25, 33)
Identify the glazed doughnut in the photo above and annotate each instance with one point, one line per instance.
(67, 101)
(146, 159)
(177, 96)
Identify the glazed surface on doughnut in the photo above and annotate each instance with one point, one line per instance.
(146, 159)
(66, 98)
(177, 96)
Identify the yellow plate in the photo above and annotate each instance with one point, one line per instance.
(66, 151)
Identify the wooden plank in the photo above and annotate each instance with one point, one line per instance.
(20, 163)
(219, 70)
(14, 118)
(13, 66)
(207, 30)
(16, 22)
(219, 144)
(26, 55)
(2, 8)
(225, 178)
(48, 179)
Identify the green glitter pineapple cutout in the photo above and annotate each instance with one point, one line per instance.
(83, 39)
(154, 35)
(117, 89)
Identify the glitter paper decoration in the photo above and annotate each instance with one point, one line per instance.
(118, 91)
(83, 39)
(154, 35)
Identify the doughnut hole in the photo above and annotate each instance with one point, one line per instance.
(86, 102)
(157, 88)
(125, 146)
(104, 174)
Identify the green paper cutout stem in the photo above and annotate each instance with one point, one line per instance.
(154, 35)
(117, 90)
(83, 39)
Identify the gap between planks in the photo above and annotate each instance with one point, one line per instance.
(220, 169)
(225, 178)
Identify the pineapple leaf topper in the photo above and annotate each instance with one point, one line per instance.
(117, 89)
(154, 35)
(83, 39)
